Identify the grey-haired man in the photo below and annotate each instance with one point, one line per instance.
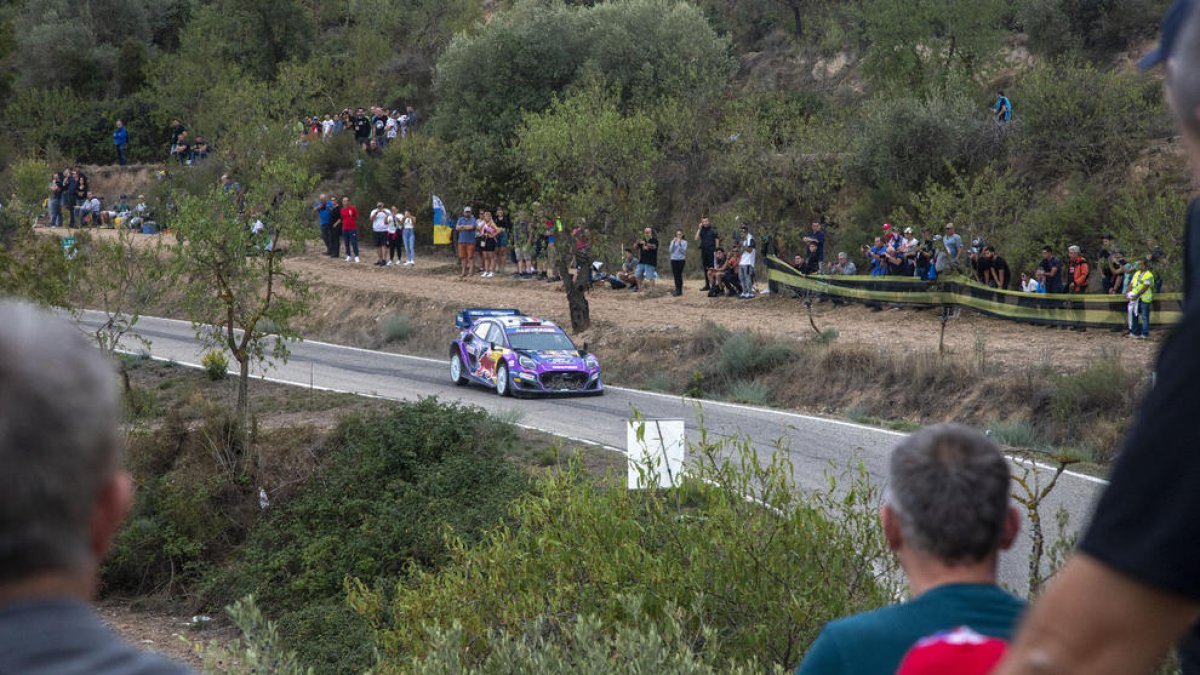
(63, 497)
(947, 517)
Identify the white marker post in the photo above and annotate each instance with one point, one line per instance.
(656, 450)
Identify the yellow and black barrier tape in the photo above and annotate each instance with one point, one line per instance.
(1059, 309)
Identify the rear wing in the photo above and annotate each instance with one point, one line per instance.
(467, 317)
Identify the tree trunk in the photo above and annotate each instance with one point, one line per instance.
(243, 396)
(577, 302)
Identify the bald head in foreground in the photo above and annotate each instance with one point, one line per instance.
(63, 496)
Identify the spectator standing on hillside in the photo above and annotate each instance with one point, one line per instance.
(349, 218)
(952, 247)
(504, 238)
(647, 269)
(946, 516)
(70, 195)
(325, 208)
(465, 229)
(379, 233)
(1078, 271)
(678, 248)
(1110, 263)
(1052, 266)
(54, 201)
(709, 240)
(63, 498)
(746, 263)
(1141, 295)
(1003, 109)
(408, 234)
(522, 245)
(361, 125)
(485, 236)
(875, 253)
(121, 141)
(817, 236)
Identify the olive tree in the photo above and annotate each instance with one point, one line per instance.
(237, 290)
(590, 161)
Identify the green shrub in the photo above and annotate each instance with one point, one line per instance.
(328, 636)
(396, 327)
(744, 356)
(392, 484)
(749, 391)
(216, 364)
(906, 141)
(1017, 434)
(709, 545)
(1078, 118)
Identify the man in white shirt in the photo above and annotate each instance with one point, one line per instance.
(379, 229)
(747, 262)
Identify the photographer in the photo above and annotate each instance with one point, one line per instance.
(647, 269)
(875, 257)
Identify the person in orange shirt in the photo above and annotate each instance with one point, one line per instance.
(1078, 271)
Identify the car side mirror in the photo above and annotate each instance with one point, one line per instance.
(468, 338)
(584, 350)
(491, 346)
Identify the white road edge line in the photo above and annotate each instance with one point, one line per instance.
(682, 399)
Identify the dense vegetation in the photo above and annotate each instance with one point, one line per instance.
(631, 112)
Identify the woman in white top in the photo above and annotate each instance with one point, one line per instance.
(408, 232)
(379, 225)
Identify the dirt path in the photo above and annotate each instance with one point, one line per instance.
(160, 632)
(435, 282)
(1001, 343)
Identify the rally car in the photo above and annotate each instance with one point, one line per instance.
(517, 354)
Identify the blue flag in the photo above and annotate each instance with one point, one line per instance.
(439, 211)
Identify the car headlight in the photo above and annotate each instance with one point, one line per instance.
(592, 362)
(527, 363)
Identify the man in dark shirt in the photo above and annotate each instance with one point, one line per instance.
(817, 236)
(1133, 588)
(999, 275)
(63, 496)
(362, 127)
(709, 241)
(1052, 266)
(647, 269)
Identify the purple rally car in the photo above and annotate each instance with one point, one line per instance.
(517, 354)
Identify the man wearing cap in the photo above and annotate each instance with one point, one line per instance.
(1133, 587)
(466, 228)
(947, 516)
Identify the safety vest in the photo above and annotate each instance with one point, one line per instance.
(1143, 279)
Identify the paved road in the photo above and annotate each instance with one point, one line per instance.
(815, 444)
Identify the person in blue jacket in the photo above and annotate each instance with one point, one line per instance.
(121, 140)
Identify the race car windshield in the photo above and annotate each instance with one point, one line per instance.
(540, 341)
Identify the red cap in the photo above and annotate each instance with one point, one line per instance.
(961, 651)
(887, 226)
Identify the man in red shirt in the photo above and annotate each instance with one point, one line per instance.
(350, 227)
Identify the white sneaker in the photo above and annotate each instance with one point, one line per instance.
(388, 264)
(356, 259)
(347, 258)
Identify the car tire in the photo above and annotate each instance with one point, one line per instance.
(503, 381)
(457, 370)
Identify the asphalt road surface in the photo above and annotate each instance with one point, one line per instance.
(815, 444)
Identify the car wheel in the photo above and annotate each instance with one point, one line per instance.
(503, 384)
(456, 370)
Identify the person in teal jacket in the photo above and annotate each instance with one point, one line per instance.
(946, 516)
